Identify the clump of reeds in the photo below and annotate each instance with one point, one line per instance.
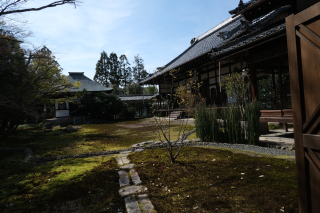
(204, 122)
(230, 125)
(252, 113)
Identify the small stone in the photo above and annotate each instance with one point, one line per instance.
(214, 160)
(242, 173)
(217, 176)
(195, 208)
(261, 176)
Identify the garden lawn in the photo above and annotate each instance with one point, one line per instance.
(213, 180)
(92, 138)
(70, 185)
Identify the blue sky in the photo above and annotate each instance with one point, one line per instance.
(156, 30)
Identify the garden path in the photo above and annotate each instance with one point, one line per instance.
(136, 200)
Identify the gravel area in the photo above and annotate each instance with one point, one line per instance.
(242, 147)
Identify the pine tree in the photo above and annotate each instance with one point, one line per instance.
(125, 70)
(102, 70)
(138, 70)
(115, 72)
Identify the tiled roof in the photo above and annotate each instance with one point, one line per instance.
(87, 83)
(140, 97)
(249, 38)
(212, 39)
(243, 6)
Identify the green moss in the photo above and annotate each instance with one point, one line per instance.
(209, 183)
(92, 138)
(60, 185)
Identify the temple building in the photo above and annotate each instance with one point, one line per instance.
(252, 41)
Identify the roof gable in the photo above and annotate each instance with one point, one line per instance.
(86, 83)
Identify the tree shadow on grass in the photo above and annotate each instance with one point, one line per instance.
(91, 184)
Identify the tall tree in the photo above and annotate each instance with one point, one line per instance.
(28, 79)
(102, 70)
(138, 70)
(125, 70)
(115, 72)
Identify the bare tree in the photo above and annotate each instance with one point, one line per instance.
(186, 104)
(8, 7)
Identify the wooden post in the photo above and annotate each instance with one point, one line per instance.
(274, 90)
(218, 94)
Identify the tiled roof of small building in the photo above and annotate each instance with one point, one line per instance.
(212, 39)
(86, 83)
(140, 97)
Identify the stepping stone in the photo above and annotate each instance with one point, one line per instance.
(147, 142)
(135, 177)
(125, 160)
(119, 161)
(132, 205)
(124, 178)
(146, 205)
(136, 146)
(131, 190)
(128, 166)
(139, 150)
(122, 155)
(125, 152)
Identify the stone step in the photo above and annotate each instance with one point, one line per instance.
(131, 190)
(135, 177)
(146, 205)
(128, 166)
(124, 178)
(132, 205)
(119, 161)
(125, 160)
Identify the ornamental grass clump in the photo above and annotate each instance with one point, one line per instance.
(253, 122)
(205, 122)
(230, 126)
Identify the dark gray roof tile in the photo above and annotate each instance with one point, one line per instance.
(87, 83)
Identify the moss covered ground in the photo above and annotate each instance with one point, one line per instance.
(213, 180)
(91, 138)
(92, 184)
(70, 185)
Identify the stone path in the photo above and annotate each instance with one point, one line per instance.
(135, 196)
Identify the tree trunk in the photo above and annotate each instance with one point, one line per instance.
(4, 125)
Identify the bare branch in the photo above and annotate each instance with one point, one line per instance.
(12, 7)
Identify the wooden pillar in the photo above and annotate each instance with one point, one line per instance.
(274, 90)
(217, 85)
(254, 83)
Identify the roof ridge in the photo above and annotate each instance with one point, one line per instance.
(233, 20)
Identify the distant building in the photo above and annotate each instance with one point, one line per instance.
(66, 109)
